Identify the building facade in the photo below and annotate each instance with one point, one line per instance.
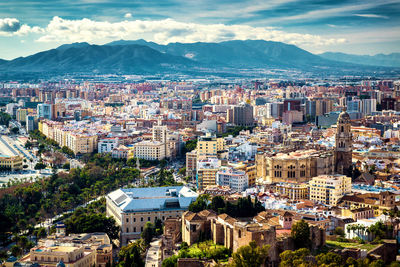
(343, 144)
(133, 207)
(298, 166)
(235, 179)
(329, 189)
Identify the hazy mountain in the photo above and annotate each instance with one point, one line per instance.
(142, 57)
(390, 60)
(82, 57)
(244, 54)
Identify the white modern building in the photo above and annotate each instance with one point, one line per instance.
(235, 179)
(107, 145)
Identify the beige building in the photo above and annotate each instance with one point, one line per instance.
(294, 191)
(81, 143)
(59, 255)
(11, 162)
(132, 208)
(150, 150)
(191, 164)
(298, 166)
(209, 145)
(329, 189)
(206, 172)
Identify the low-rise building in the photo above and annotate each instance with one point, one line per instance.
(133, 207)
(107, 145)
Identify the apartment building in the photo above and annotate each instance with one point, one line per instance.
(329, 189)
(209, 145)
(235, 179)
(206, 172)
(150, 150)
(107, 145)
(81, 143)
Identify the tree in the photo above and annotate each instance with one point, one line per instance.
(217, 203)
(68, 151)
(148, 233)
(250, 255)
(329, 259)
(5, 119)
(16, 250)
(15, 130)
(301, 234)
(131, 255)
(294, 258)
(182, 171)
(170, 262)
(66, 166)
(339, 231)
(40, 166)
(200, 203)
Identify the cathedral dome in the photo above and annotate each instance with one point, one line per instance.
(344, 117)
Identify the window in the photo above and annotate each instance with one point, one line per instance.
(148, 218)
(141, 219)
(127, 219)
(134, 229)
(141, 229)
(127, 229)
(134, 219)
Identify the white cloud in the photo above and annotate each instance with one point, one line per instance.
(371, 16)
(12, 26)
(167, 31)
(128, 15)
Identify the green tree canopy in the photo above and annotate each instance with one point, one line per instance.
(301, 234)
(250, 255)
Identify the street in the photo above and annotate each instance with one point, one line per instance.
(154, 254)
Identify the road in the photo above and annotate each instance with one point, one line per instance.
(154, 254)
(49, 222)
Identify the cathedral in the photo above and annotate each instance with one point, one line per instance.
(344, 144)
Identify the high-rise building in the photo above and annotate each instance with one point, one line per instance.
(241, 115)
(344, 144)
(206, 172)
(30, 123)
(368, 106)
(44, 111)
(160, 134)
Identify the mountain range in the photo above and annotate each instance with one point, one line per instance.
(142, 57)
(390, 60)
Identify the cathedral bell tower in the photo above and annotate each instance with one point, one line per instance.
(344, 144)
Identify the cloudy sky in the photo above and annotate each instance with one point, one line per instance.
(350, 26)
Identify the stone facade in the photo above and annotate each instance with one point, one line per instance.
(196, 225)
(299, 166)
(344, 144)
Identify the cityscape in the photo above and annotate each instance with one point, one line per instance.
(238, 134)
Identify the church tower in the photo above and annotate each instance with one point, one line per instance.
(344, 144)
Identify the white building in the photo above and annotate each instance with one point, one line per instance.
(235, 179)
(107, 145)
